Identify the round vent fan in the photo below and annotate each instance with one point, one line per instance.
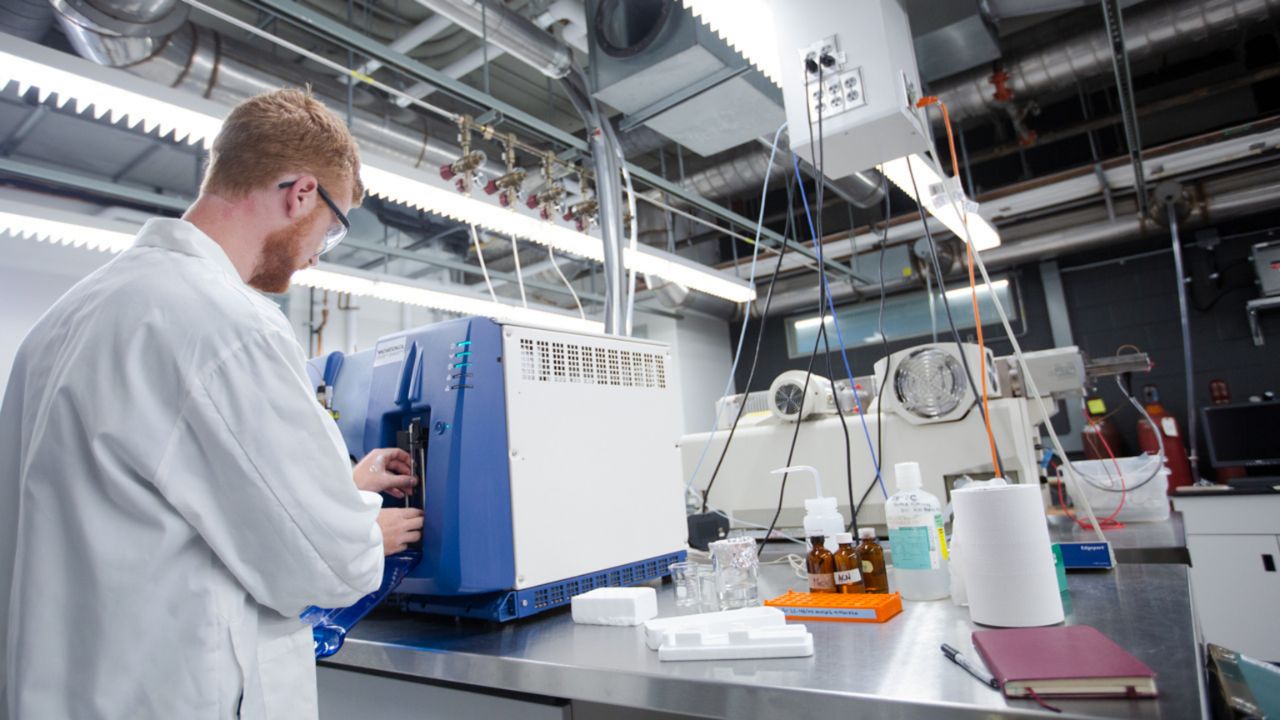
(930, 383)
(789, 400)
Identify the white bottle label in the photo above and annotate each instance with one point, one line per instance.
(821, 581)
(848, 577)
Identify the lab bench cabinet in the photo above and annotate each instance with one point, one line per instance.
(1234, 543)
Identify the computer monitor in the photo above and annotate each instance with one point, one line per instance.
(1243, 434)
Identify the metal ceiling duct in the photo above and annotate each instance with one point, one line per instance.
(28, 19)
(508, 30)
(1150, 29)
(119, 33)
(198, 60)
(1225, 198)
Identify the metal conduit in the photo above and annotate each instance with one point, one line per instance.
(1150, 29)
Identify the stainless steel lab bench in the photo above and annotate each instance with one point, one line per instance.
(549, 667)
(1136, 542)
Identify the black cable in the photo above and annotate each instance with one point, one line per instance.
(795, 435)
(764, 315)
(844, 424)
(793, 222)
(1220, 295)
(824, 287)
(942, 289)
(884, 339)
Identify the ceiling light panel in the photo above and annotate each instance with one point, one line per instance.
(119, 96)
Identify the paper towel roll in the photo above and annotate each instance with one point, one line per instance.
(1006, 559)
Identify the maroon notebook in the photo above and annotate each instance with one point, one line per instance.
(1075, 661)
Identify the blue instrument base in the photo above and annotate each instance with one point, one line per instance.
(513, 604)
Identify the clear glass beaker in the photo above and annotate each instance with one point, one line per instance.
(684, 579)
(707, 585)
(737, 572)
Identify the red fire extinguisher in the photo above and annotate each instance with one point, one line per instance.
(1100, 432)
(1220, 394)
(1175, 453)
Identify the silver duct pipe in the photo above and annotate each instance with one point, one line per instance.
(609, 195)
(745, 172)
(200, 61)
(1150, 29)
(509, 31)
(118, 33)
(28, 19)
(1223, 199)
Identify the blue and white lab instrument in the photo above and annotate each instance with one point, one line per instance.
(547, 459)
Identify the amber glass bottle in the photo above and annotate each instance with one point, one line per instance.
(848, 566)
(821, 565)
(871, 554)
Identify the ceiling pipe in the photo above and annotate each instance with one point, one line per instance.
(199, 60)
(28, 19)
(119, 33)
(1221, 199)
(1150, 29)
(411, 39)
(508, 31)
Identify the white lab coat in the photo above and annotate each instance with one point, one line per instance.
(171, 497)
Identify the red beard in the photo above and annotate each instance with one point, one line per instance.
(282, 255)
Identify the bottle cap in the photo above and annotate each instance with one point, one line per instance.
(867, 533)
(908, 475)
(843, 538)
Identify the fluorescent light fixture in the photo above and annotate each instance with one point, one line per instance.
(109, 93)
(341, 279)
(60, 228)
(76, 230)
(747, 26)
(812, 322)
(998, 285)
(937, 196)
(117, 95)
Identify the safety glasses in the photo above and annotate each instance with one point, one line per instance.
(338, 230)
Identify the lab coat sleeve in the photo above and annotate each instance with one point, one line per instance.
(261, 473)
(11, 411)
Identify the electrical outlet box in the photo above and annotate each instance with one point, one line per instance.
(853, 65)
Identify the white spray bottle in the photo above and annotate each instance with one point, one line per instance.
(822, 514)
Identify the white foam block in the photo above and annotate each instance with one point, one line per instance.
(713, 622)
(750, 644)
(615, 606)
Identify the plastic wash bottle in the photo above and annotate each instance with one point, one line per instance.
(916, 538)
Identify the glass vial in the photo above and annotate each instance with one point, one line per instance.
(848, 566)
(821, 565)
(874, 577)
